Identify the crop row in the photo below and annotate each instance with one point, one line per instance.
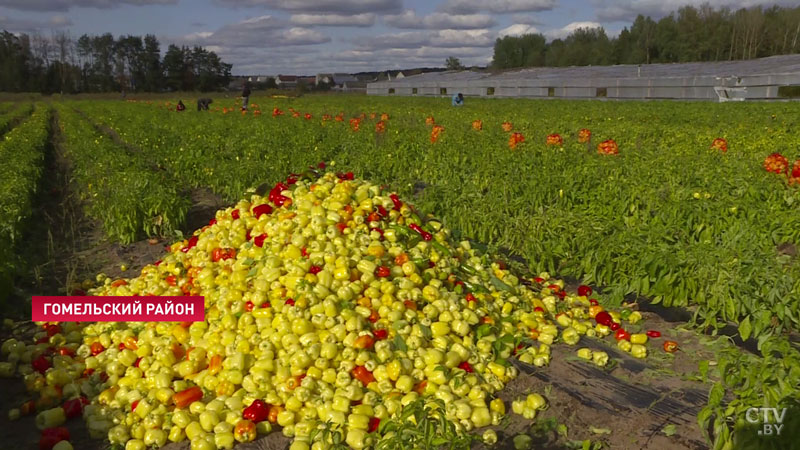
(668, 217)
(631, 223)
(22, 153)
(9, 115)
(128, 196)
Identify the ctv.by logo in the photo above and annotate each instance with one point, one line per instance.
(770, 427)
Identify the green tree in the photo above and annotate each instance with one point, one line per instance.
(453, 63)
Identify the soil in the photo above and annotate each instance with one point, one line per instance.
(628, 405)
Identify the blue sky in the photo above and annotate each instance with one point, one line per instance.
(310, 36)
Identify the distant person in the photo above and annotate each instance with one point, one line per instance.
(245, 95)
(458, 100)
(180, 106)
(202, 103)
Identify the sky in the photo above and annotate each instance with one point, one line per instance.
(305, 37)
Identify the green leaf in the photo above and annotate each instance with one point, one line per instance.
(498, 284)
(483, 330)
(669, 430)
(745, 328)
(599, 430)
(716, 394)
(426, 331)
(400, 343)
(703, 368)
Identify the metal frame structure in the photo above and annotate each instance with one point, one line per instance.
(757, 79)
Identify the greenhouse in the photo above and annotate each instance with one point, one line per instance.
(772, 78)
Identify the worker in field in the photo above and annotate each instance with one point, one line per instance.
(180, 106)
(458, 100)
(202, 103)
(245, 95)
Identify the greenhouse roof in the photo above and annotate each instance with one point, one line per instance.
(764, 66)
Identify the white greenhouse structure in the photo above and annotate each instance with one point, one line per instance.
(773, 78)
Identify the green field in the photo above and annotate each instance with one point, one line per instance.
(669, 221)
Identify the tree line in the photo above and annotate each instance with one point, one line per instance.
(58, 63)
(692, 34)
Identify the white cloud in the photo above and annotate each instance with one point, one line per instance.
(257, 32)
(417, 39)
(518, 29)
(462, 38)
(439, 20)
(333, 20)
(497, 6)
(302, 36)
(198, 35)
(320, 6)
(408, 39)
(565, 31)
(65, 5)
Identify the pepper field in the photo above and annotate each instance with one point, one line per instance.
(398, 273)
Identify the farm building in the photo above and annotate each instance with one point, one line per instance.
(776, 77)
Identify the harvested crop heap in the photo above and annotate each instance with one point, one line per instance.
(328, 300)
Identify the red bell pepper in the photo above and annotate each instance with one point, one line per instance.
(41, 364)
(314, 270)
(262, 209)
(190, 244)
(603, 318)
(257, 411)
(670, 346)
(425, 235)
(382, 272)
(363, 375)
(73, 408)
(381, 334)
(584, 290)
(235, 214)
(621, 334)
(374, 423)
(466, 367)
(187, 396)
(258, 241)
(397, 203)
(52, 436)
(289, 302)
(654, 334)
(614, 326)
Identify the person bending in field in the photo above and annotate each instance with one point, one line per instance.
(245, 96)
(458, 100)
(202, 104)
(180, 106)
